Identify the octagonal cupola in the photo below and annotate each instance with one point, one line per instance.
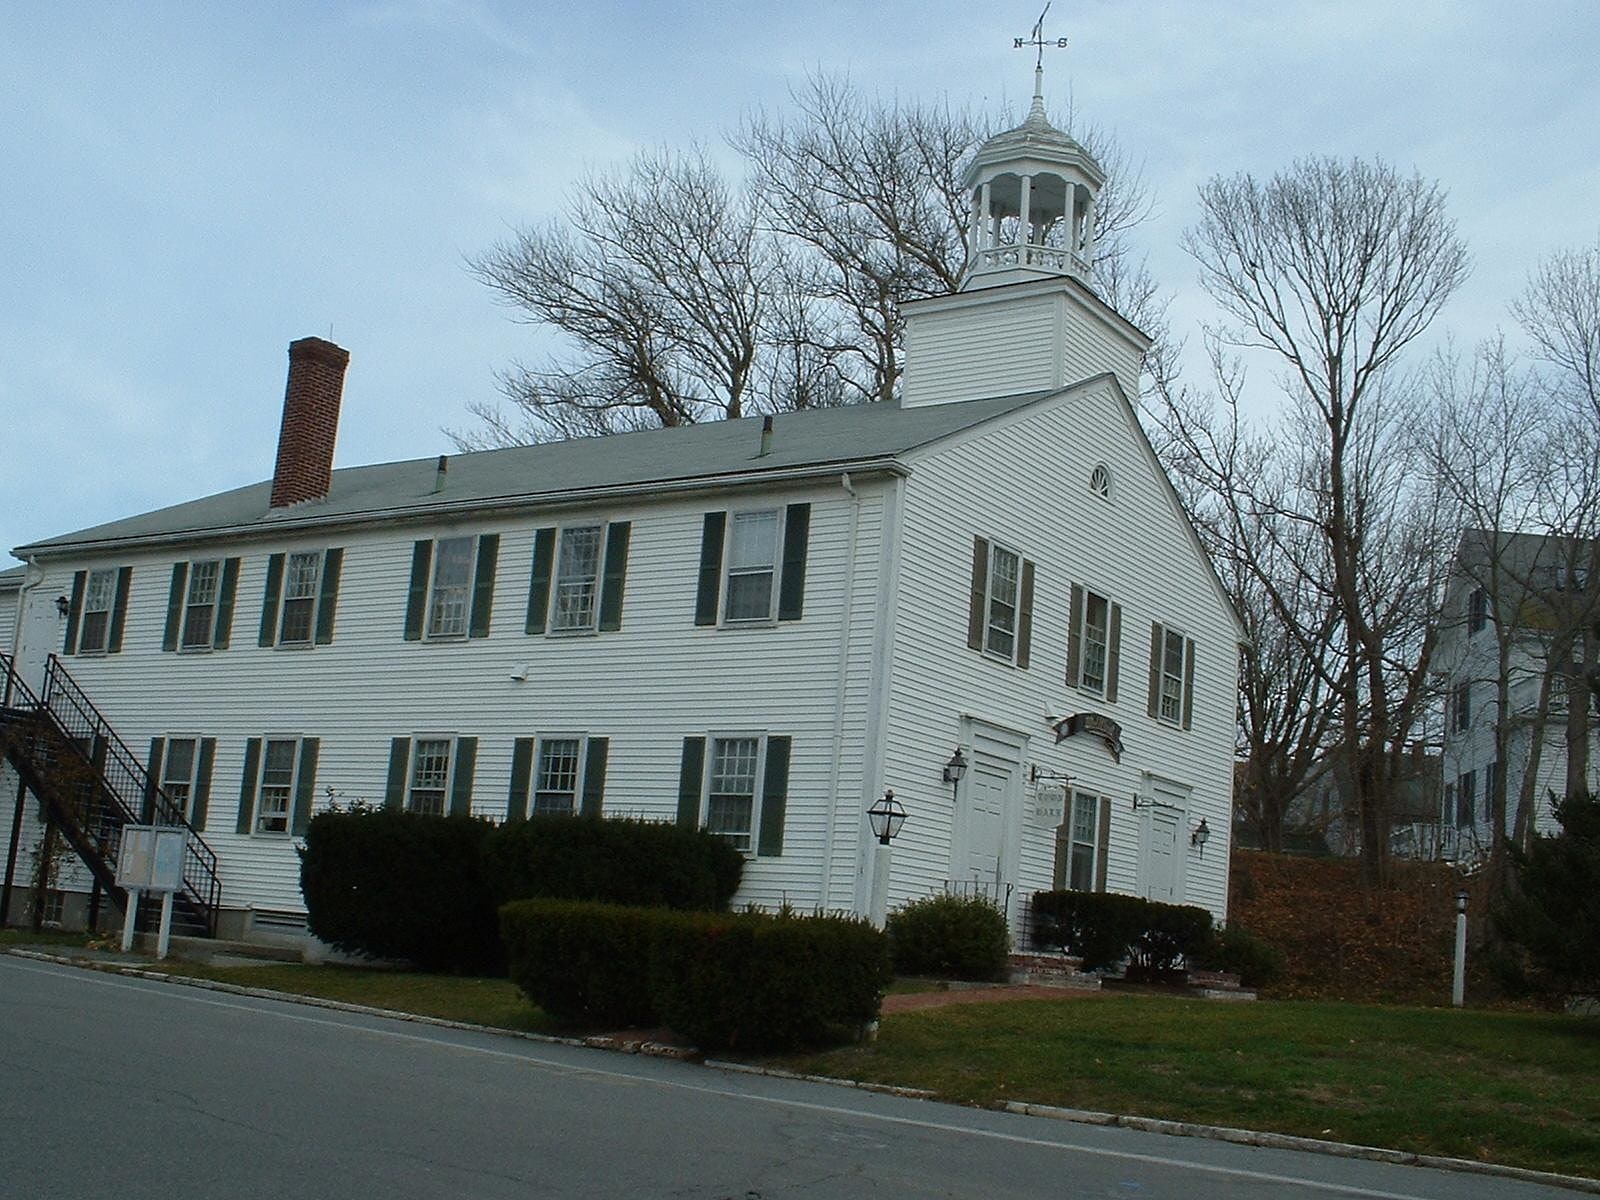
(1032, 190)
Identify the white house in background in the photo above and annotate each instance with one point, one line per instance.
(1516, 583)
(754, 628)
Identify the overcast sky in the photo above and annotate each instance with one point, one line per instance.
(186, 189)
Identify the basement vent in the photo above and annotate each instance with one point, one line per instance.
(282, 920)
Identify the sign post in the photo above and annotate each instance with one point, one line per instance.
(151, 860)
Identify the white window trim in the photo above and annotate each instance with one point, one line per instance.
(449, 770)
(1169, 631)
(756, 796)
(184, 646)
(1095, 851)
(433, 575)
(579, 779)
(771, 619)
(294, 786)
(111, 607)
(194, 766)
(593, 627)
(997, 547)
(1083, 650)
(278, 642)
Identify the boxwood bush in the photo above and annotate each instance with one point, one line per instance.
(612, 862)
(760, 982)
(401, 885)
(1256, 961)
(1105, 929)
(748, 981)
(951, 937)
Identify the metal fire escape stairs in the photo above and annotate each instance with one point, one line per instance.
(90, 786)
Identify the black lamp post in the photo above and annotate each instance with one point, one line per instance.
(886, 817)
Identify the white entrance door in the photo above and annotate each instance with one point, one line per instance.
(986, 826)
(39, 628)
(1161, 857)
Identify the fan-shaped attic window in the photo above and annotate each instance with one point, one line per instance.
(1100, 481)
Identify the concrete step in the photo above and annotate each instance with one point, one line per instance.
(1044, 969)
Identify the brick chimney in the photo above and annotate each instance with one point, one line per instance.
(310, 421)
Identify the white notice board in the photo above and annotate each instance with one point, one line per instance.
(151, 857)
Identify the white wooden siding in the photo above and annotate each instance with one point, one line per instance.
(1025, 483)
(8, 620)
(645, 687)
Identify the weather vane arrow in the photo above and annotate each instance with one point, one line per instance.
(1038, 39)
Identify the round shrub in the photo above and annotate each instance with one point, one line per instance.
(649, 863)
(400, 885)
(951, 937)
(1256, 961)
(584, 962)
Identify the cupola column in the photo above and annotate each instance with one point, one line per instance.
(1025, 226)
(987, 236)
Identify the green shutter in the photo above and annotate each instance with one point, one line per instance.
(247, 784)
(417, 594)
(394, 794)
(616, 574)
(1113, 652)
(774, 798)
(1075, 637)
(594, 775)
(202, 783)
(461, 776)
(222, 627)
(74, 612)
(792, 585)
(305, 786)
(119, 609)
(521, 779)
(268, 635)
(690, 774)
(978, 594)
(1188, 682)
(1058, 873)
(152, 779)
(175, 591)
(328, 596)
(1155, 668)
(1102, 849)
(709, 594)
(544, 557)
(1025, 616)
(483, 585)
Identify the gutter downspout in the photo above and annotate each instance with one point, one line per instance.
(825, 878)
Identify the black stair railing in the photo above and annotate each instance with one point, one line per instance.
(97, 785)
(126, 776)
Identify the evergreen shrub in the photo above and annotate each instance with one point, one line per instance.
(1105, 929)
(584, 962)
(1256, 961)
(400, 885)
(649, 863)
(951, 937)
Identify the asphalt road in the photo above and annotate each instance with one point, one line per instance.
(126, 1089)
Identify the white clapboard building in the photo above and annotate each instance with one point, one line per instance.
(754, 628)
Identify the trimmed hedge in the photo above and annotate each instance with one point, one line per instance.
(1256, 961)
(607, 861)
(1103, 929)
(400, 885)
(951, 937)
(758, 982)
(584, 962)
(748, 981)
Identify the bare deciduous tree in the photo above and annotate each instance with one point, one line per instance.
(1335, 268)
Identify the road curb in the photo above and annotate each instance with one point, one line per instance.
(1219, 1133)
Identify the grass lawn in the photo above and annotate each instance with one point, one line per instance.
(47, 937)
(1517, 1088)
(494, 1002)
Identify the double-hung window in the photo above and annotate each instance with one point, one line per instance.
(98, 595)
(1171, 676)
(450, 594)
(1000, 618)
(275, 799)
(1000, 612)
(577, 583)
(1461, 706)
(1096, 642)
(731, 788)
(753, 541)
(1477, 610)
(1082, 841)
(302, 577)
(1467, 799)
(200, 604)
(555, 791)
(429, 787)
(178, 771)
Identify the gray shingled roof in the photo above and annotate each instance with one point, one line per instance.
(11, 579)
(528, 475)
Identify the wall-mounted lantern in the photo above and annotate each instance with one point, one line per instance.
(954, 770)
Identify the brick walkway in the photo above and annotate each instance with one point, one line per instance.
(912, 1001)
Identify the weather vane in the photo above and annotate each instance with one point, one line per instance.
(1038, 39)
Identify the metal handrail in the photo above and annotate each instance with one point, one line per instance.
(122, 776)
